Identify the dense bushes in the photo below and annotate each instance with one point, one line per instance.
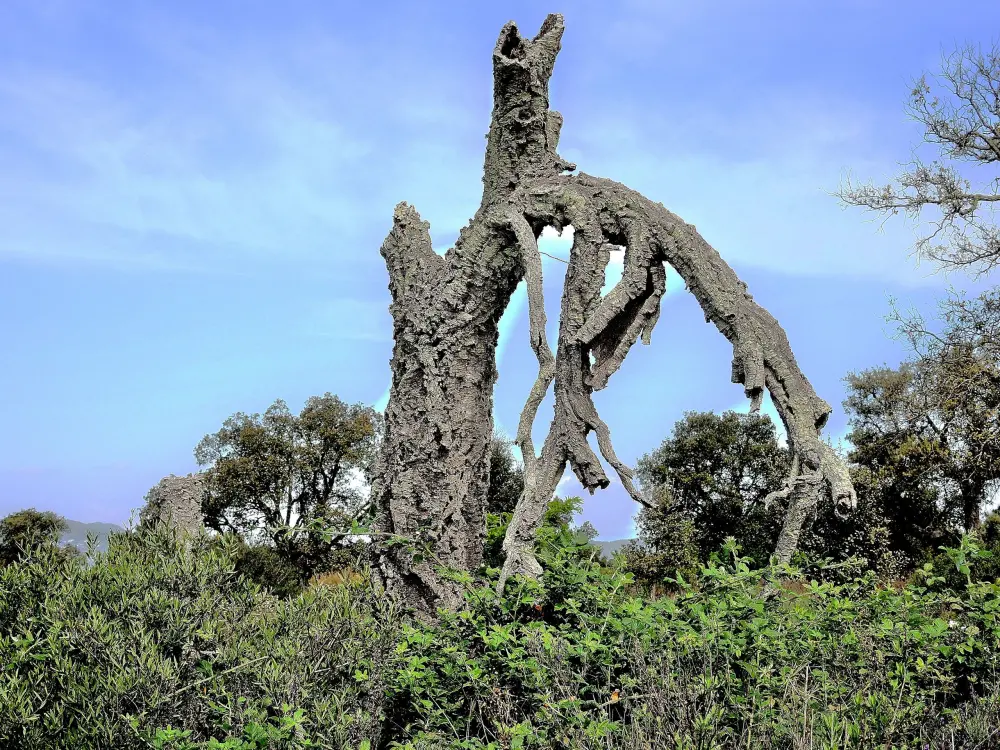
(581, 661)
(160, 643)
(160, 633)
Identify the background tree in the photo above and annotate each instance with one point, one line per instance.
(506, 478)
(28, 531)
(890, 448)
(432, 484)
(929, 431)
(865, 535)
(960, 114)
(666, 544)
(711, 477)
(298, 472)
(926, 434)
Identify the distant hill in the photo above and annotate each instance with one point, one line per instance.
(76, 534)
(608, 548)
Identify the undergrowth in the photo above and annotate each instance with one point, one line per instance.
(159, 643)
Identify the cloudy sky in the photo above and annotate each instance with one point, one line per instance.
(193, 195)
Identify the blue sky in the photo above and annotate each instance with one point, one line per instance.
(193, 195)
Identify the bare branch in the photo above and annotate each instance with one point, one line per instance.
(964, 125)
(536, 321)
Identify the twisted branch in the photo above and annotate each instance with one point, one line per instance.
(604, 212)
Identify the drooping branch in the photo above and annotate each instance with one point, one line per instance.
(536, 321)
(431, 483)
(575, 414)
(607, 328)
(762, 355)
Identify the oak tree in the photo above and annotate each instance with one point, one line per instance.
(27, 531)
(275, 479)
(716, 472)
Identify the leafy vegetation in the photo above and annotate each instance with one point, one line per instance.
(27, 531)
(162, 643)
(710, 478)
(272, 478)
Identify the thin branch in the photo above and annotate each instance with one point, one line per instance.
(536, 317)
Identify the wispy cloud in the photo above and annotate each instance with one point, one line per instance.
(229, 153)
(349, 319)
(288, 192)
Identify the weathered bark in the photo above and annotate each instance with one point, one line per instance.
(431, 486)
(175, 501)
(602, 211)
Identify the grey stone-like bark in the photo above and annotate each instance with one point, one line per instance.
(432, 480)
(175, 501)
(602, 211)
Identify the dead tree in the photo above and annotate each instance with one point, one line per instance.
(431, 484)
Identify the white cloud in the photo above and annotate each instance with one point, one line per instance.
(98, 162)
(351, 319)
(567, 479)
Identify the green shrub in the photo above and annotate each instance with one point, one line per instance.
(674, 551)
(162, 643)
(162, 632)
(577, 661)
(268, 568)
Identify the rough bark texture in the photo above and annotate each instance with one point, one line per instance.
(175, 501)
(602, 211)
(431, 485)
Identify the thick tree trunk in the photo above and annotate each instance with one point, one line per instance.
(438, 422)
(972, 496)
(431, 485)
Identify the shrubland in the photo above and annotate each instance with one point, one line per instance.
(161, 642)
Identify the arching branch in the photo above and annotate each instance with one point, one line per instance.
(608, 212)
(432, 478)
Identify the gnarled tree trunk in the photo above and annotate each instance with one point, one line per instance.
(431, 486)
(432, 482)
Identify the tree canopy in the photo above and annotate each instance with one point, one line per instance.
(506, 478)
(28, 531)
(714, 472)
(931, 427)
(283, 471)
